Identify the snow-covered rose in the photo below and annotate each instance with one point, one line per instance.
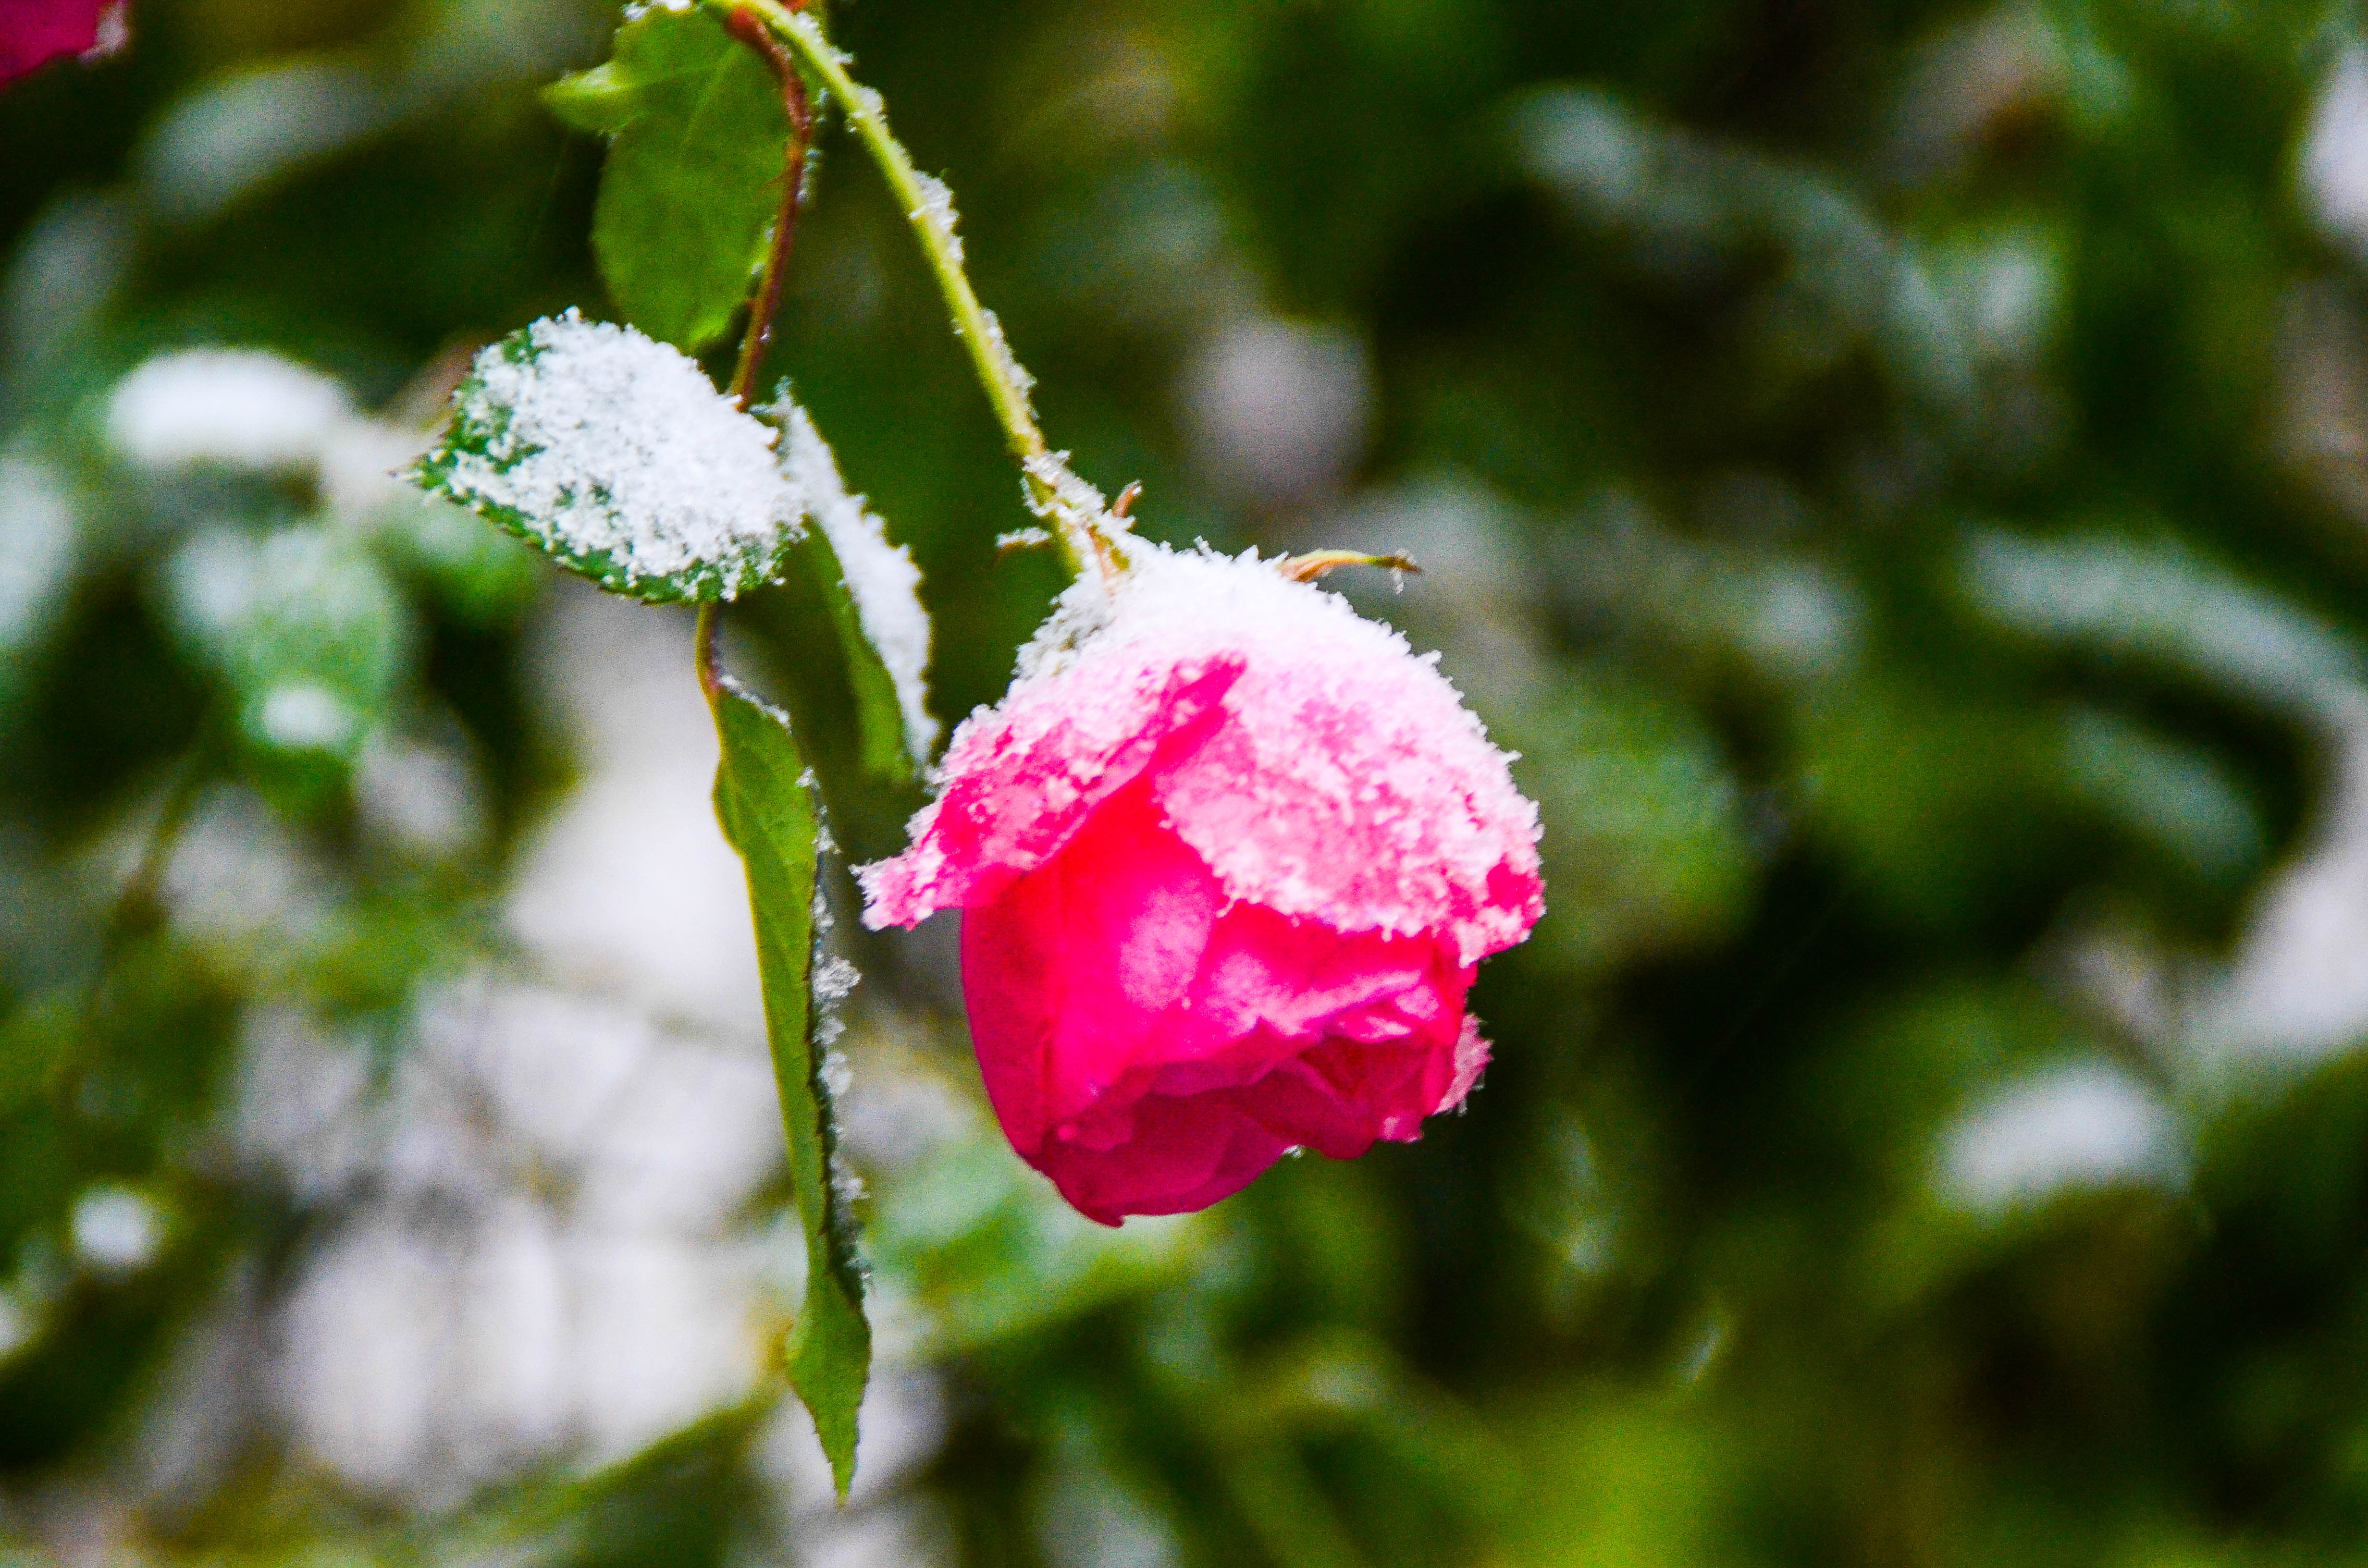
(34, 32)
(1229, 856)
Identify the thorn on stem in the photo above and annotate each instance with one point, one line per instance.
(1315, 564)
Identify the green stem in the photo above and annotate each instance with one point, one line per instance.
(710, 680)
(999, 373)
(136, 905)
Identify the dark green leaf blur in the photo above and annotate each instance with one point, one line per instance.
(1898, 474)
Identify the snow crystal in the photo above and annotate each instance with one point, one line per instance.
(616, 453)
(1345, 778)
(226, 405)
(1056, 493)
(803, 24)
(881, 577)
(835, 979)
(936, 209)
(998, 347)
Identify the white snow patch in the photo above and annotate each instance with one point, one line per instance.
(2079, 1125)
(616, 451)
(1279, 410)
(307, 717)
(116, 1230)
(239, 406)
(2334, 160)
(881, 577)
(36, 548)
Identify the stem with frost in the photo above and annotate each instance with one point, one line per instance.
(997, 372)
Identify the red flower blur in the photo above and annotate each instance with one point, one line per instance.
(34, 32)
(1229, 856)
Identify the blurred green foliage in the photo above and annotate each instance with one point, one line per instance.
(1896, 472)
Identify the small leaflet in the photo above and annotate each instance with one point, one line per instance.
(697, 135)
(881, 577)
(615, 453)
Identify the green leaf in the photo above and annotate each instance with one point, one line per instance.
(815, 658)
(873, 589)
(478, 575)
(309, 634)
(880, 721)
(764, 799)
(699, 138)
(851, 639)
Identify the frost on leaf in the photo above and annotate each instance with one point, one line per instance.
(881, 577)
(617, 455)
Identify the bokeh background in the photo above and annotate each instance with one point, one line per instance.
(1898, 473)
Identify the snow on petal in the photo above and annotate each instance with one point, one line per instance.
(1342, 779)
(1020, 779)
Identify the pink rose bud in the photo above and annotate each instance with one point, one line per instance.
(34, 32)
(1230, 856)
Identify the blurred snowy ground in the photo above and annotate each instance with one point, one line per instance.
(542, 1230)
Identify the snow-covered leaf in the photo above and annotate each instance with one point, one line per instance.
(872, 588)
(767, 807)
(697, 137)
(617, 455)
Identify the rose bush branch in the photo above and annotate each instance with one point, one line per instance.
(745, 26)
(926, 207)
